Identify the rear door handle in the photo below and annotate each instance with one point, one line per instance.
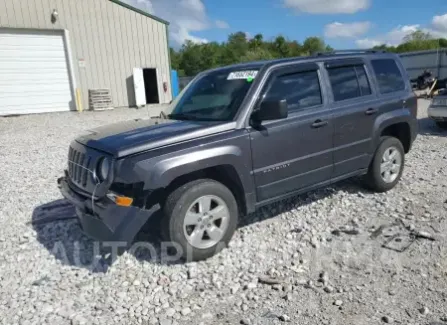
(319, 124)
(371, 111)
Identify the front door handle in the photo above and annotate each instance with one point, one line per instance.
(371, 111)
(319, 124)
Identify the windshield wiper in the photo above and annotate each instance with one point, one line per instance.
(188, 117)
(181, 116)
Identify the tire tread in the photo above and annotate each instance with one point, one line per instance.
(374, 181)
(172, 202)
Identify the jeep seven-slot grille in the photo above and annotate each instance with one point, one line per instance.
(78, 166)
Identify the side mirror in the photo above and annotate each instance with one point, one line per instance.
(271, 110)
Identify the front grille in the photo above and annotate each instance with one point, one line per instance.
(79, 166)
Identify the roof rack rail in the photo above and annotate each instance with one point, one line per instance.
(350, 51)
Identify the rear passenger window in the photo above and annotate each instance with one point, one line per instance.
(301, 90)
(349, 82)
(388, 75)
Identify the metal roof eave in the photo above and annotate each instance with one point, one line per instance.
(127, 6)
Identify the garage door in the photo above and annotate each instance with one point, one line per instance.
(34, 74)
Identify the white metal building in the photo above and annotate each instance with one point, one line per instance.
(52, 52)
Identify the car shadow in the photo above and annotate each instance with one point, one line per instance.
(59, 232)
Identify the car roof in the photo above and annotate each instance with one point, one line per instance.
(257, 65)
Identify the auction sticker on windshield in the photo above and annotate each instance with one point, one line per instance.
(248, 75)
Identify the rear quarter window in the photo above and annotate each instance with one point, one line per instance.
(388, 75)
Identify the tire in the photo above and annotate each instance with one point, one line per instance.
(187, 199)
(442, 125)
(375, 179)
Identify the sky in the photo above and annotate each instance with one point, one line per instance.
(343, 24)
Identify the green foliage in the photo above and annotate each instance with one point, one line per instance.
(417, 36)
(416, 41)
(314, 45)
(256, 55)
(192, 58)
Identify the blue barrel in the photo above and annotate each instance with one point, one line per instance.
(174, 83)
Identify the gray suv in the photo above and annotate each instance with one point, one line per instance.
(240, 137)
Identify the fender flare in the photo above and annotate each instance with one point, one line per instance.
(387, 119)
(164, 171)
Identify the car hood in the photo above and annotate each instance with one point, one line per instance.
(134, 136)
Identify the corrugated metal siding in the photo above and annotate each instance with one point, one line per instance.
(111, 38)
(433, 60)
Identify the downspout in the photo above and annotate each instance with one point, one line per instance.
(439, 60)
(169, 59)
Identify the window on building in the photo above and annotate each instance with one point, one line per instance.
(388, 75)
(301, 90)
(349, 82)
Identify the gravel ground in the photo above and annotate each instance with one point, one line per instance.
(340, 255)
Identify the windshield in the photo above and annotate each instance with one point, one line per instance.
(215, 96)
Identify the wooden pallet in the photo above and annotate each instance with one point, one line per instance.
(100, 99)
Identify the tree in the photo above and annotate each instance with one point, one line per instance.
(256, 42)
(210, 55)
(416, 41)
(193, 58)
(257, 55)
(237, 43)
(384, 47)
(176, 58)
(281, 47)
(313, 45)
(295, 49)
(417, 36)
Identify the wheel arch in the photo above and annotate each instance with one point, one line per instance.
(401, 131)
(225, 174)
(397, 124)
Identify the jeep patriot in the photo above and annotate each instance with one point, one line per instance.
(240, 137)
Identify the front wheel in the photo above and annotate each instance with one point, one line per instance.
(200, 217)
(387, 165)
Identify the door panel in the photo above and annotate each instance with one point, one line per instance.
(296, 152)
(355, 109)
(291, 154)
(353, 136)
(140, 92)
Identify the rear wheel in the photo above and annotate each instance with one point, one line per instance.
(387, 165)
(442, 125)
(200, 217)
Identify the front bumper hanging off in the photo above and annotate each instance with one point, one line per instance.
(102, 219)
(438, 113)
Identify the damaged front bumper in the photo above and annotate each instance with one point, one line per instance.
(101, 218)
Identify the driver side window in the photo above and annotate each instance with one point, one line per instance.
(300, 89)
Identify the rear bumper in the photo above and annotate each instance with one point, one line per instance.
(102, 219)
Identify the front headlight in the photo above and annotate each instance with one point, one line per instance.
(103, 168)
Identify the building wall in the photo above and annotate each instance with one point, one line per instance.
(110, 38)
